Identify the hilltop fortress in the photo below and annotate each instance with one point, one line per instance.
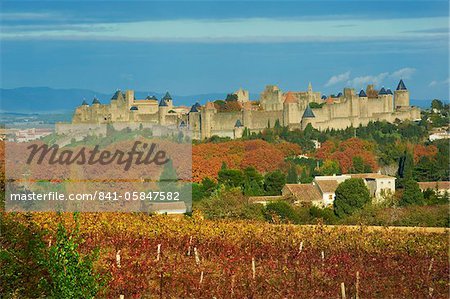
(294, 110)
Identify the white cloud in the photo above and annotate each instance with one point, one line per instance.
(441, 82)
(362, 81)
(235, 30)
(404, 73)
(338, 78)
(22, 16)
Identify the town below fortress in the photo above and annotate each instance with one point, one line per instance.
(230, 117)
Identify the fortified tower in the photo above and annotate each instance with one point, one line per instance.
(291, 113)
(401, 95)
(207, 119)
(163, 109)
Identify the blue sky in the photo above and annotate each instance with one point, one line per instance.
(202, 47)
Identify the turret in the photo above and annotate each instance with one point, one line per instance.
(206, 120)
(247, 114)
(95, 102)
(194, 122)
(401, 95)
(163, 109)
(238, 129)
(242, 95)
(308, 117)
(168, 99)
(117, 96)
(129, 98)
(291, 113)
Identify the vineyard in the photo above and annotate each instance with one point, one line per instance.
(145, 256)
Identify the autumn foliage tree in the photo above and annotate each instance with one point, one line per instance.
(207, 158)
(343, 152)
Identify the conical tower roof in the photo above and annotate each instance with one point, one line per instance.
(308, 113)
(162, 103)
(193, 109)
(401, 85)
(362, 93)
(290, 98)
(167, 96)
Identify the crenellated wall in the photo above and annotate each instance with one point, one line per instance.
(338, 112)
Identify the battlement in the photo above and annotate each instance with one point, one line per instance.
(293, 109)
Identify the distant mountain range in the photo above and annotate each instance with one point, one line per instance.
(51, 100)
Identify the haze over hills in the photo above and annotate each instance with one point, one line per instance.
(52, 100)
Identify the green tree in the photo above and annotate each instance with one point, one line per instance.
(274, 182)
(437, 104)
(292, 177)
(329, 167)
(254, 182)
(412, 195)
(71, 274)
(405, 168)
(281, 210)
(351, 195)
(231, 177)
(231, 97)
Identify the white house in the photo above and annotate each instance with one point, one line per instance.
(322, 191)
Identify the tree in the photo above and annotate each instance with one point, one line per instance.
(254, 182)
(292, 177)
(283, 211)
(329, 167)
(359, 166)
(231, 177)
(351, 195)
(231, 97)
(405, 168)
(274, 182)
(412, 195)
(72, 274)
(437, 104)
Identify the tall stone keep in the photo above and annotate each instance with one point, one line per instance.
(401, 95)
